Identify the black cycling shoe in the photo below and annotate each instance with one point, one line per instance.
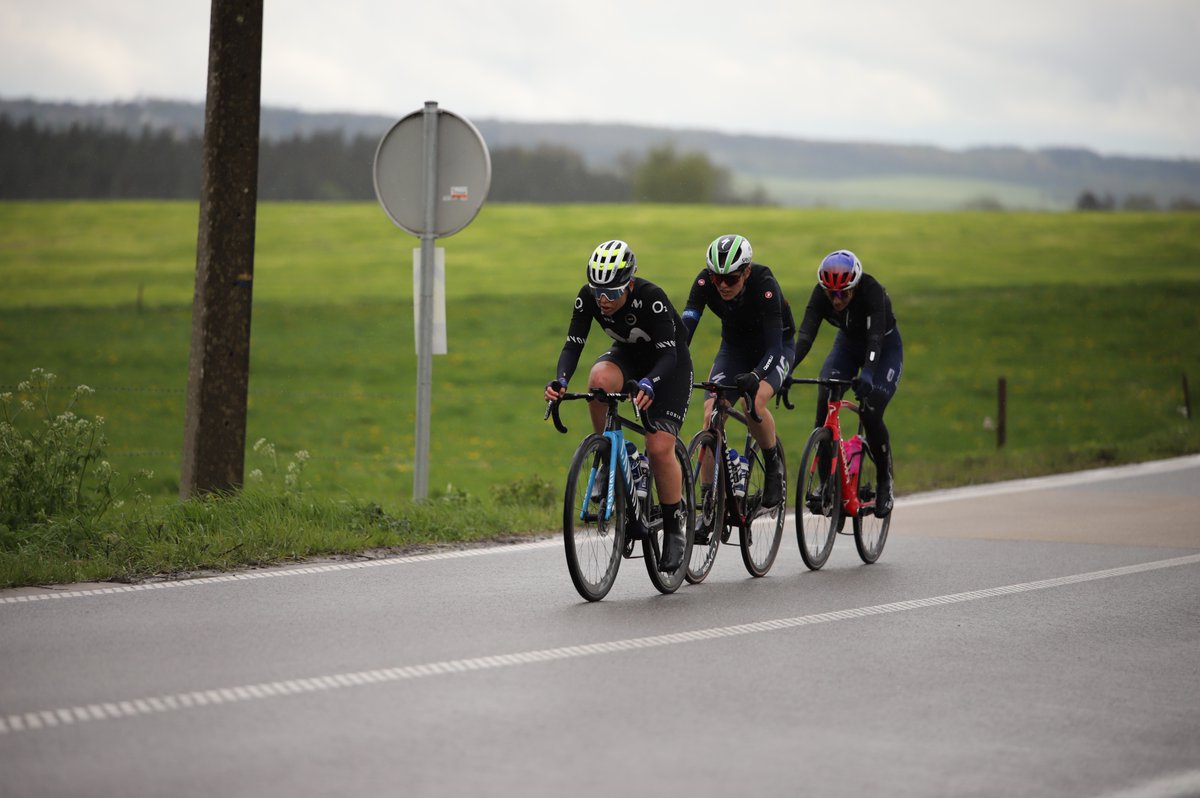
(773, 490)
(816, 501)
(600, 487)
(674, 544)
(883, 497)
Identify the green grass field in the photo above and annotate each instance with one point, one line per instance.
(1092, 318)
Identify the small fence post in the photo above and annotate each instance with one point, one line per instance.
(1002, 412)
(1187, 399)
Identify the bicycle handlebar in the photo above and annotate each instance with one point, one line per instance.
(714, 387)
(627, 394)
(782, 396)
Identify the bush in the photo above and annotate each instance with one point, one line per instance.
(46, 459)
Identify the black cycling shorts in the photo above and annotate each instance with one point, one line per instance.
(671, 395)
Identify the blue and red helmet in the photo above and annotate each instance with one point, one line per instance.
(839, 271)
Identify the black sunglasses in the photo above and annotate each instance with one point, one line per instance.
(728, 279)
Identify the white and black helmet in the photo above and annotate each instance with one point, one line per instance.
(729, 254)
(612, 264)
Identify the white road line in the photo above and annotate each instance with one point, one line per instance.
(40, 719)
(953, 494)
(244, 576)
(1178, 785)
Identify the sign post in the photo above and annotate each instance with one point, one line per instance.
(432, 172)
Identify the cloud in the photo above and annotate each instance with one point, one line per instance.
(1113, 75)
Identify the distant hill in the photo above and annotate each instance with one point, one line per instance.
(793, 171)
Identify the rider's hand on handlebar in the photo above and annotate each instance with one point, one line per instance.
(645, 395)
(748, 383)
(862, 385)
(555, 390)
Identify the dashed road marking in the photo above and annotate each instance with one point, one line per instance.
(139, 707)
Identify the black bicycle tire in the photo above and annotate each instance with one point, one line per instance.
(669, 583)
(868, 553)
(758, 567)
(592, 446)
(806, 472)
(707, 439)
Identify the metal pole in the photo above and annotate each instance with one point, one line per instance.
(425, 308)
(1002, 412)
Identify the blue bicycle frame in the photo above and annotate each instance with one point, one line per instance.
(616, 442)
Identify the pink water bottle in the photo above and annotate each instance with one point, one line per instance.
(853, 447)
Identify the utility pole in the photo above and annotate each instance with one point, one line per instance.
(214, 444)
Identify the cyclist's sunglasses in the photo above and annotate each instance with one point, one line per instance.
(611, 294)
(839, 294)
(728, 279)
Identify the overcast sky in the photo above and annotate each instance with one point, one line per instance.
(1115, 76)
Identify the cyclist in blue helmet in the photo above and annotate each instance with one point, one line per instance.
(867, 349)
(649, 347)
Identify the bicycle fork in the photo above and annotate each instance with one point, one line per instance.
(617, 458)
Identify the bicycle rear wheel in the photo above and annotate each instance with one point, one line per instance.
(818, 502)
(870, 533)
(652, 546)
(708, 490)
(763, 530)
(593, 537)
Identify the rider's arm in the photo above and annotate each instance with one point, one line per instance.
(694, 308)
(661, 329)
(771, 309)
(807, 332)
(876, 301)
(577, 333)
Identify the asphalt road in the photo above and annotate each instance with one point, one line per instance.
(1038, 638)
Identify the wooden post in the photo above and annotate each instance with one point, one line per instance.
(214, 441)
(1002, 413)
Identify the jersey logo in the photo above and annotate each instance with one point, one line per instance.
(635, 335)
(701, 281)
(631, 319)
(768, 294)
(658, 307)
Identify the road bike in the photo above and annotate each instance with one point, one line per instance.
(721, 503)
(604, 513)
(830, 489)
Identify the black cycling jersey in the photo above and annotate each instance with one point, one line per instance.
(646, 329)
(756, 322)
(868, 317)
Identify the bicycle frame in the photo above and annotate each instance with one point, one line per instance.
(852, 505)
(723, 409)
(619, 466)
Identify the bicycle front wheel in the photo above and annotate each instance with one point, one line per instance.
(652, 545)
(763, 528)
(593, 533)
(870, 533)
(818, 500)
(708, 481)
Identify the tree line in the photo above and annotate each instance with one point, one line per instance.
(90, 162)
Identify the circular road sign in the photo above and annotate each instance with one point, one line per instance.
(463, 173)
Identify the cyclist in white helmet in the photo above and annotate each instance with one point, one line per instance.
(650, 348)
(756, 339)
